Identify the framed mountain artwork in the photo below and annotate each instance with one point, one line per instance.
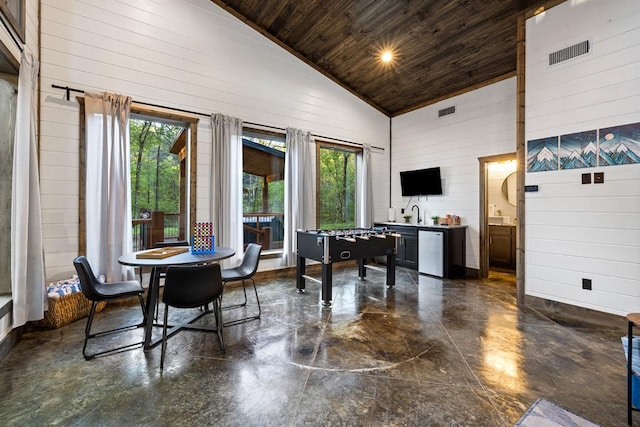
(542, 154)
(619, 145)
(579, 150)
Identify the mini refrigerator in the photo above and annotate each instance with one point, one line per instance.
(431, 252)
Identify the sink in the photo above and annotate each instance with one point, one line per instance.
(500, 220)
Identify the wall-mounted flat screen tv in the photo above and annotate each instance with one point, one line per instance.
(421, 182)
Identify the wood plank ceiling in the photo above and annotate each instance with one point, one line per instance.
(442, 47)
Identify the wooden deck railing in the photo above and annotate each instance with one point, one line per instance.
(265, 228)
(159, 227)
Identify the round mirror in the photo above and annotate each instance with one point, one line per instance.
(509, 188)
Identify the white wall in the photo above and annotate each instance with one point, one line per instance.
(483, 125)
(188, 54)
(576, 231)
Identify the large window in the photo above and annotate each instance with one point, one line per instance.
(163, 175)
(336, 202)
(155, 180)
(8, 100)
(263, 188)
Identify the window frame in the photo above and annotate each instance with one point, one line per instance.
(17, 23)
(191, 123)
(357, 151)
(251, 131)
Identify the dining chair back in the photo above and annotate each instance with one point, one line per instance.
(162, 271)
(96, 292)
(243, 272)
(192, 287)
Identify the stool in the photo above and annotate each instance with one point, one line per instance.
(633, 319)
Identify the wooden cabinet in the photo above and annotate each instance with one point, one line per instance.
(502, 246)
(407, 248)
(454, 247)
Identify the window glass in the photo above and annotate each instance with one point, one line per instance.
(157, 186)
(263, 188)
(336, 186)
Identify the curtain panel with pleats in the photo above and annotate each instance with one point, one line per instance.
(27, 259)
(364, 193)
(108, 184)
(226, 183)
(299, 190)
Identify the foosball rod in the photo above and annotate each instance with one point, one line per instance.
(313, 279)
(375, 267)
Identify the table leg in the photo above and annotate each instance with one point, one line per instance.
(301, 266)
(152, 300)
(391, 269)
(327, 284)
(362, 271)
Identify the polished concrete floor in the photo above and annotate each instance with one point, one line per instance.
(428, 353)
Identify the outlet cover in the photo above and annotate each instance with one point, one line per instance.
(598, 177)
(586, 284)
(586, 178)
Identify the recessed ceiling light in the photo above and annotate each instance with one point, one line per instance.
(386, 56)
(608, 136)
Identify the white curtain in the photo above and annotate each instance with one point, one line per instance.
(108, 184)
(226, 183)
(299, 191)
(364, 200)
(27, 259)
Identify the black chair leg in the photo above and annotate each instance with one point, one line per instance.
(88, 335)
(255, 290)
(164, 336)
(245, 319)
(217, 308)
(244, 289)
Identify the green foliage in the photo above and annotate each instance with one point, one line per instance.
(155, 172)
(337, 195)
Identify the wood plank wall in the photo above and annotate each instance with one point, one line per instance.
(188, 54)
(576, 231)
(483, 125)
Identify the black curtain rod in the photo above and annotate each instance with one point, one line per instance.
(68, 89)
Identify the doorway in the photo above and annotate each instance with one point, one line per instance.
(498, 215)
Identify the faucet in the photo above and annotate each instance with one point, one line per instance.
(417, 207)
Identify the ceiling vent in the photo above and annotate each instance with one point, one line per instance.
(447, 111)
(570, 52)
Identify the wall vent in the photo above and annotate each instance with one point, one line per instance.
(447, 111)
(570, 52)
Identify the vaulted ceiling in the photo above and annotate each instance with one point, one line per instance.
(441, 47)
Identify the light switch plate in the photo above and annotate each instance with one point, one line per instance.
(598, 177)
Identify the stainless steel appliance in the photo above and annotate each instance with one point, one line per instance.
(431, 252)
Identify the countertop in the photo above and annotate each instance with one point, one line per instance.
(406, 224)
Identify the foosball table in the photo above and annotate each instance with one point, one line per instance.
(329, 246)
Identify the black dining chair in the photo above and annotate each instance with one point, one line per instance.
(167, 244)
(96, 292)
(192, 287)
(243, 272)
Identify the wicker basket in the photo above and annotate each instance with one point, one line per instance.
(66, 309)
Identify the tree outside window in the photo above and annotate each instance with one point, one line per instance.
(336, 186)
